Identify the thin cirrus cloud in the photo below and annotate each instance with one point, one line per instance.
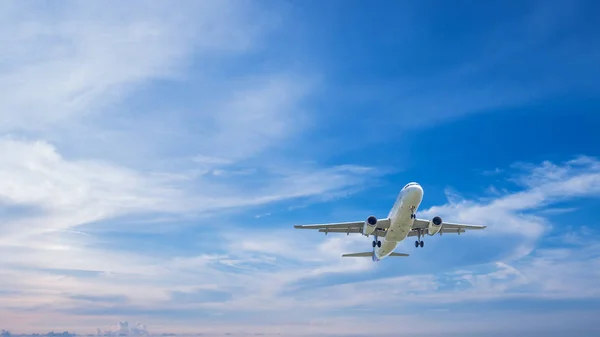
(545, 185)
(59, 159)
(94, 55)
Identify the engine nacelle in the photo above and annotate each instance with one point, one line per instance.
(435, 225)
(370, 225)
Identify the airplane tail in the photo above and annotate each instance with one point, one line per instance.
(370, 254)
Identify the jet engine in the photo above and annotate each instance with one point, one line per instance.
(434, 226)
(370, 225)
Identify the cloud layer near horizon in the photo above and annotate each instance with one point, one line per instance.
(249, 277)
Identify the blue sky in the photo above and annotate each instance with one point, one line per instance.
(156, 157)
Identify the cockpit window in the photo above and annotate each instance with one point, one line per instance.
(409, 184)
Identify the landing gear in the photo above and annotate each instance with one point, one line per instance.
(419, 242)
(376, 242)
(412, 212)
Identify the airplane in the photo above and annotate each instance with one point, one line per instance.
(400, 223)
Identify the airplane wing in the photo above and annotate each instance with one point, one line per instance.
(348, 227)
(447, 227)
(370, 254)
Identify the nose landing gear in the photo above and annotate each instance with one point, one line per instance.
(412, 212)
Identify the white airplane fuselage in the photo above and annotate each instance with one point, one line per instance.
(401, 220)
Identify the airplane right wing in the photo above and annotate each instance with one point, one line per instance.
(348, 227)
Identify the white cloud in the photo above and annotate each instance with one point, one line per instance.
(544, 185)
(75, 58)
(72, 97)
(265, 111)
(71, 193)
(80, 76)
(74, 193)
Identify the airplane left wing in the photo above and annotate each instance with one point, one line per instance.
(447, 227)
(348, 227)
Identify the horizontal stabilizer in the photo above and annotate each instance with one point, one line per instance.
(398, 254)
(370, 254)
(365, 254)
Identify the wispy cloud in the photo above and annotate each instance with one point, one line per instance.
(545, 185)
(74, 59)
(79, 153)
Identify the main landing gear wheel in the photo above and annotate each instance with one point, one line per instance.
(419, 242)
(413, 216)
(377, 243)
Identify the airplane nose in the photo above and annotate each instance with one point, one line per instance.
(416, 188)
